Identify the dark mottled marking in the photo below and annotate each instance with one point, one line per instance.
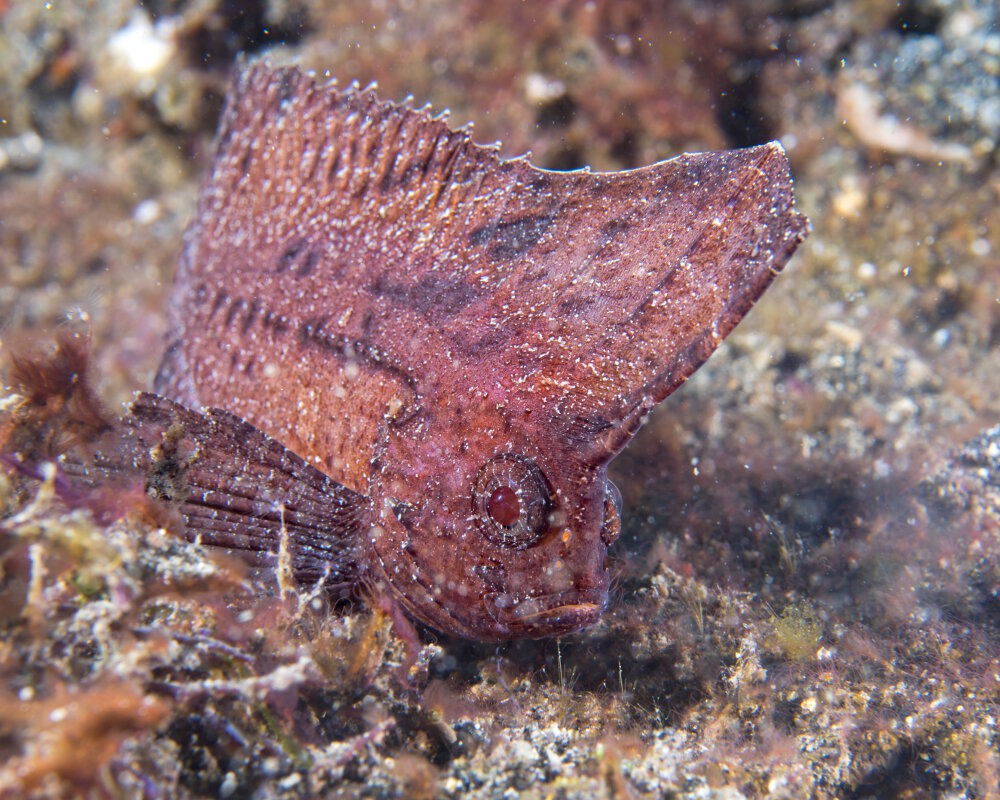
(287, 258)
(540, 184)
(220, 300)
(614, 229)
(511, 239)
(334, 166)
(424, 164)
(245, 163)
(280, 324)
(594, 424)
(252, 310)
(490, 341)
(234, 309)
(540, 273)
(415, 170)
(389, 178)
(311, 330)
(352, 150)
(407, 174)
(361, 191)
(575, 303)
(267, 320)
(308, 263)
(368, 324)
(449, 165)
(313, 333)
(435, 294)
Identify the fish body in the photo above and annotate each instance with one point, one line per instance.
(427, 355)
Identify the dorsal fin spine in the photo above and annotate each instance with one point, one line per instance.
(448, 167)
(391, 138)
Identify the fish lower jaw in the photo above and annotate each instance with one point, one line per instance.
(545, 615)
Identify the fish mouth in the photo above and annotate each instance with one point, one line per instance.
(546, 614)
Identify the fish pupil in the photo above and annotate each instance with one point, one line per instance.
(503, 506)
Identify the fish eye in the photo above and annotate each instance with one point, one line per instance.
(512, 501)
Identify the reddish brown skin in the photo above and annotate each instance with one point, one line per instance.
(423, 324)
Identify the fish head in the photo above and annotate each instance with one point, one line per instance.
(484, 529)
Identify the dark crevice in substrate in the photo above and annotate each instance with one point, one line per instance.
(556, 113)
(243, 28)
(800, 9)
(915, 19)
(738, 110)
(903, 776)
(205, 755)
